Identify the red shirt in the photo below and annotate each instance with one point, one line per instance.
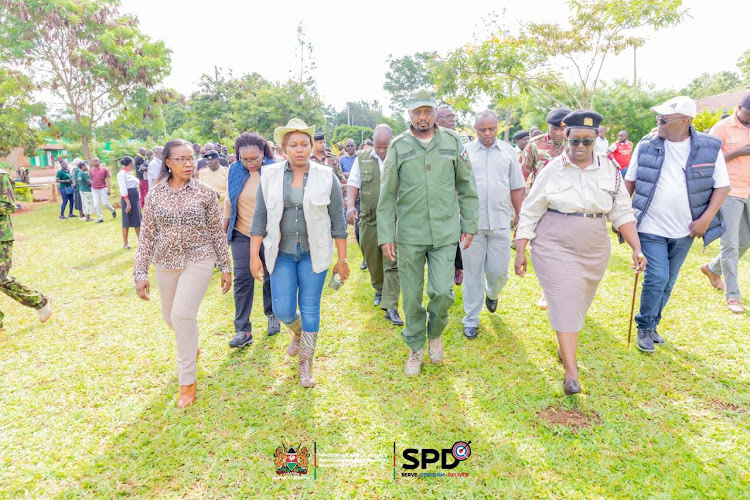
(99, 177)
(622, 152)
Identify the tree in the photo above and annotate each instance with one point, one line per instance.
(743, 64)
(405, 75)
(344, 132)
(85, 52)
(503, 69)
(598, 29)
(625, 107)
(17, 109)
(716, 83)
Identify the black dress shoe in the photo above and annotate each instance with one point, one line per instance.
(491, 304)
(571, 387)
(470, 332)
(364, 265)
(377, 299)
(655, 337)
(392, 316)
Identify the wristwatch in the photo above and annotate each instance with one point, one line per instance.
(344, 261)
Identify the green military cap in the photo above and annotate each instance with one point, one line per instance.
(422, 97)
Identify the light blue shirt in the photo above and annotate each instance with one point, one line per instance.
(496, 173)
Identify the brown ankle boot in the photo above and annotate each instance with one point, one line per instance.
(306, 351)
(186, 395)
(296, 328)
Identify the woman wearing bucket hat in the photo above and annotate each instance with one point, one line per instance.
(564, 216)
(298, 216)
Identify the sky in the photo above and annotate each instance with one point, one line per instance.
(352, 41)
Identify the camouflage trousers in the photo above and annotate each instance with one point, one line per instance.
(11, 287)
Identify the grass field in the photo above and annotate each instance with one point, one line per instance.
(87, 400)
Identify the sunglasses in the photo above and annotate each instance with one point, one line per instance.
(578, 142)
(660, 120)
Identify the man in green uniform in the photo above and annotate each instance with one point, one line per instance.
(8, 285)
(428, 187)
(364, 182)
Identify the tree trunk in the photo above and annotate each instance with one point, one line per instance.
(508, 123)
(86, 147)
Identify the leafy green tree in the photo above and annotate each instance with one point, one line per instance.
(625, 107)
(17, 109)
(405, 75)
(344, 132)
(86, 52)
(743, 65)
(598, 29)
(712, 84)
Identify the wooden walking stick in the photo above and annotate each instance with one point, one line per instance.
(632, 302)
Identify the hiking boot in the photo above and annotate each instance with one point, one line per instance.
(714, 278)
(735, 306)
(414, 363)
(274, 325)
(655, 337)
(241, 339)
(645, 342)
(436, 349)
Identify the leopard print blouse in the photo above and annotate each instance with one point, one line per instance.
(180, 225)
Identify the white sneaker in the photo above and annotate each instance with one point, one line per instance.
(45, 312)
(81, 218)
(735, 306)
(542, 304)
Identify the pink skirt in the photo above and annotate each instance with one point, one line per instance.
(570, 255)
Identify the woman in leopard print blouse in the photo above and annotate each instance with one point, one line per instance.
(181, 233)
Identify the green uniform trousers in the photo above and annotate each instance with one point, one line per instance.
(383, 272)
(11, 287)
(440, 269)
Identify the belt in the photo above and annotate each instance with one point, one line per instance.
(577, 214)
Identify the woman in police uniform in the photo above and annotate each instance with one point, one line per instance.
(564, 216)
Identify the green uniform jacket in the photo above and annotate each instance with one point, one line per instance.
(424, 189)
(369, 193)
(7, 206)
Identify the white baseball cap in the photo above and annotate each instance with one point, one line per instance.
(682, 105)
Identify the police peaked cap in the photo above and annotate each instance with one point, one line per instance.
(583, 118)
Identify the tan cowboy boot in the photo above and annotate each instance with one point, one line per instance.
(296, 328)
(186, 396)
(306, 351)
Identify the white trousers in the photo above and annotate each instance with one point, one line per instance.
(101, 198)
(485, 271)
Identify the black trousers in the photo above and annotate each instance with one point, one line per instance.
(244, 283)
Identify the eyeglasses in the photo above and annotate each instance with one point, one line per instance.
(182, 160)
(660, 120)
(578, 142)
(252, 160)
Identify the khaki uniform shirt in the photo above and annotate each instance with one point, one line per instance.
(217, 180)
(566, 188)
(429, 189)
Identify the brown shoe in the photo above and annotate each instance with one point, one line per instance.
(735, 306)
(186, 396)
(715, 279)
(571, 387)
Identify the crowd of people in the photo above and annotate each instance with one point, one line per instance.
(428, 197)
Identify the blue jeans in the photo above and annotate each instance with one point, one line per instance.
(293, 281)
(665, 257)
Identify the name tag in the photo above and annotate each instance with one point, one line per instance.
(704, 165)
(451, 152)
(408, 154)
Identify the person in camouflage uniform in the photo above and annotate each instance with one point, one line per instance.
(543, 148)
(8, 285)
(323, 156)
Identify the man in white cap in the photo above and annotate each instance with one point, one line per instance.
(680, 180)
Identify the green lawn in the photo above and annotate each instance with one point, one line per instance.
(87, 400)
